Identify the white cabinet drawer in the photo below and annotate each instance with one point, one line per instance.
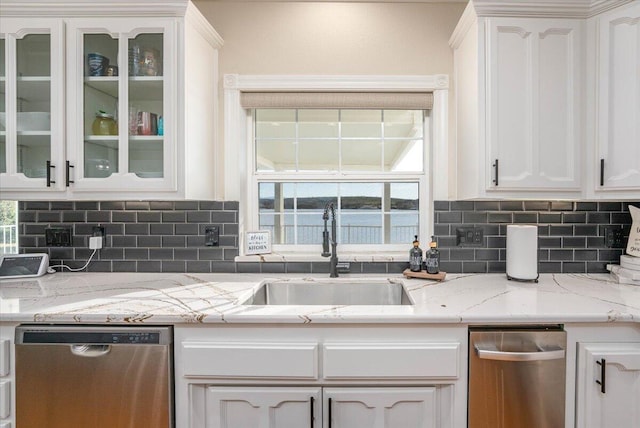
(5, 399)
(388, 361)
(250, 360)
(4, 357)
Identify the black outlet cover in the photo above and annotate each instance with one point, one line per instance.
(212, 236)
(614, 237)
(469, 236)
(58, 237)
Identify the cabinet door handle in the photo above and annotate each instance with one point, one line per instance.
(311, 409)
(68, 180)
(49, 180)
(330, 412)
(603, 373)
(495, 165)
(602, 172)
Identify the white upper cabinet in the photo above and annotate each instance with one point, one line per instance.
(533, 103)
(548, 99)
(617, 109)
(32, 129)
(129, 94)
(518, 94)
(114, 113)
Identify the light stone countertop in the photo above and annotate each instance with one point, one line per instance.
(174, 298)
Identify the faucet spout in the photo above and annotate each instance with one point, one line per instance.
(329, 207)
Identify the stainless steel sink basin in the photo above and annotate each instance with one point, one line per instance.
(330, 292)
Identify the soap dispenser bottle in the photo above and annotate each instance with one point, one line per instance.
(415, 256)
(432, 257)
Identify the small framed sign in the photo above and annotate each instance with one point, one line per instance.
(258, 242)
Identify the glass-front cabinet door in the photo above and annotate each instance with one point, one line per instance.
(32, 148)
(121, 114)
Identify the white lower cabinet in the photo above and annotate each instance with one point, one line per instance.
(608, 393)
(278, 407)
(380, 407)
(267, 407)
(321, 377)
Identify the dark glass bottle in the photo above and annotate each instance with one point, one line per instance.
(415, 256)
(432, 257)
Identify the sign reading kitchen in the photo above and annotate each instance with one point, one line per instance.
(258, 242)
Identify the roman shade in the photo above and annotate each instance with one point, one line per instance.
(354, 100)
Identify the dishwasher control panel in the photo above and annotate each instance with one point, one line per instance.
(92, 336)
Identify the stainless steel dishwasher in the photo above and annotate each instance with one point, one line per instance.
(517, 377)
(100, 377)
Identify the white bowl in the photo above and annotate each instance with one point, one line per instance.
(29, 121)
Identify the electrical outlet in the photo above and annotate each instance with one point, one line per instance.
(98, 231)
(469, 236)
(58, 237)
(614, 237)
(212, 236)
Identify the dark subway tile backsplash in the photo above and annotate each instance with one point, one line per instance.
(168, 236)
(142, 236)
(571, 235)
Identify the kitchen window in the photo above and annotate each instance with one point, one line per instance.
(363, 143)
(368, 162)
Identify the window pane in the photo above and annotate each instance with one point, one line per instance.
(275, 123)
(402, 227)
(317, 123)
(276, 155)
(403, 123)
(315, 196)
(318, 155)
(403, 155)
(361, 155)
(361, 123)
(8, 227)
(366, 213)
(402, 221)
(359, 228)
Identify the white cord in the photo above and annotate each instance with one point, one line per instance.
(72, 269)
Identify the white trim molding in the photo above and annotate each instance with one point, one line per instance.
(237, 125)
(545, 8)
(73, 8)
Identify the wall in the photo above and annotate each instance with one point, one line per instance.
(166, 236)
(324, 38)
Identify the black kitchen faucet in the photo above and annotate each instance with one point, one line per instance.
(333, 273)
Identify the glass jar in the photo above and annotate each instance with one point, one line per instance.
(104, 124)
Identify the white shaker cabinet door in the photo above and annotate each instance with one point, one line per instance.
(533, 127)
(618, 106)
(380, 407)
(608, 394)
(266, 407)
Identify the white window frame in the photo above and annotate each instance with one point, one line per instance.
(238, 162)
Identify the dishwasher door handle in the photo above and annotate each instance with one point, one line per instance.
(90, 351)
(491, 352)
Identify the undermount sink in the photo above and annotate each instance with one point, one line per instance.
(330, 292)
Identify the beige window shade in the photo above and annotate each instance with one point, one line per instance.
(359, 100)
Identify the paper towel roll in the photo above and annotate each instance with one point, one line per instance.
(522, 252)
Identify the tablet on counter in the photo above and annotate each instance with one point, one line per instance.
(23, 265)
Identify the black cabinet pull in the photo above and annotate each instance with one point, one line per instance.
(49, 180)
(602, 172)
(311, 418)
(495, 165)
(330, 412)
(603, 373)
(68, 180)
